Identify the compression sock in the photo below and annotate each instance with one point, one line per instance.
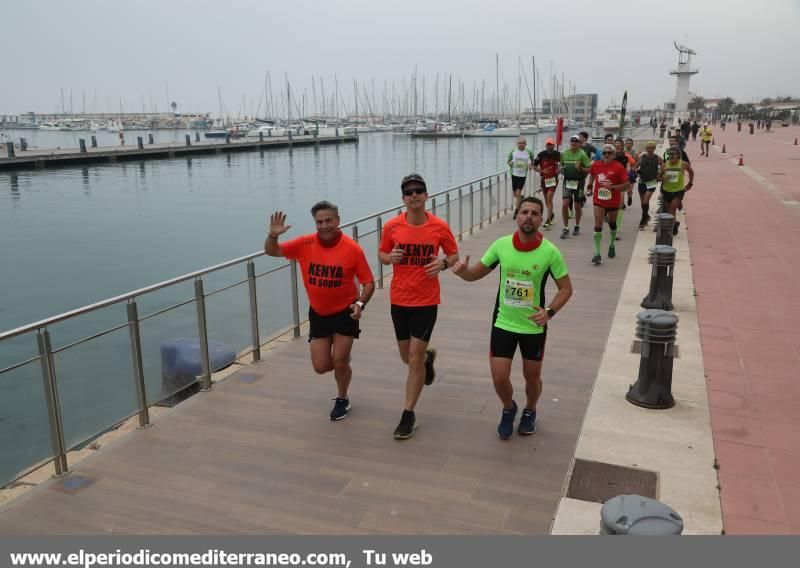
(598, 237)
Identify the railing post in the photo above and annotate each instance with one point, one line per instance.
(138, 369)
(471, 208)
(460, 215)
(447, 207)
(505, 191)
(490, 201)
(251, 284)
(380, 264)
(53, 406)
(480, 203)
(200, 301)
(433, 206)
(295, 298)
(498, 197)
(355, 233)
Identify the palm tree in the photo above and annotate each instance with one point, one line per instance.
(697, 103)
(174, 106)
(726, 105)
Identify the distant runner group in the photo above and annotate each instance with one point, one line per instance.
(420, 245)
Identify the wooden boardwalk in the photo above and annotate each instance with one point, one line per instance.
(258, 454)
(55, 157)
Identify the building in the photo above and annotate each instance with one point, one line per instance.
(582, 108)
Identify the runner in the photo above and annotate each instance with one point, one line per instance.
(526, 259)
(705, 140)
(647, 166)
(574, 163)
(520, 161)
(662, 129)
(547, 163)
(673, 143)
(586, 146)
(632, 155)
(411, 242)
(610, 180)
(608, 139)
(330, 261)
(695, 129)
(671, 175)
(627, 162)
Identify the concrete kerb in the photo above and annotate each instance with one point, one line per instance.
(677, 443)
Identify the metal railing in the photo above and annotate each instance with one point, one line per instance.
(465, 207)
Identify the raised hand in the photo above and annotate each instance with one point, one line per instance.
(433, 268)
(277, 224)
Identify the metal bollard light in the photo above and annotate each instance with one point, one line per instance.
(197, 137)
(94, 141)
(662, 257)
(23, 144)
(657, 330)
(664, 223)
(659, 211)
(634, 515)
(82, 145)
(188, 140)
(150, 138)
(140, 142)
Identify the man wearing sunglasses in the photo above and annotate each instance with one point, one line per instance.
(411, 242)
(330, 262)
(574, 163)
(610, 180)
(647, 165)
(671, 175)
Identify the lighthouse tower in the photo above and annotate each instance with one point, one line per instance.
(683, 73)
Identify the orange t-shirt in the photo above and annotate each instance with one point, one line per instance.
(329, 271)
(421, 243)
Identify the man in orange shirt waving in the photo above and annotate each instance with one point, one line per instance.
(330, 262)
(411, 242)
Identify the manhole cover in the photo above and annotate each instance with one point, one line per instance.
(599, 482)
(73, 484)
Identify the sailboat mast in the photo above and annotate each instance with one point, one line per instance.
(497, 84)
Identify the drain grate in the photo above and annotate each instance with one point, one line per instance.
(599, 482)
(636, 349)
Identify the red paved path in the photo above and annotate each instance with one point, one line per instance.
(745, 247)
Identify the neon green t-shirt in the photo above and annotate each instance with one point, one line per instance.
(570, 158)
(523, 276)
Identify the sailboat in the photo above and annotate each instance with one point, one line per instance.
(217, 132)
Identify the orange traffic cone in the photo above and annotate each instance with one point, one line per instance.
(741, 160)
(723, 148)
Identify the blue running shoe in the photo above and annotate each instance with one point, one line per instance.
(506, 427)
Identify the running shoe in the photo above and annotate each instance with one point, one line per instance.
(341, 407)
(547, 224)
(630, 200)
(675, 227)
(612, 252)
(624, 206)
(576, 230)
(564, 233)
(506, 427)
(596, 259)
(430, 372)
(527, 423)
(408, 423)
(515, 214)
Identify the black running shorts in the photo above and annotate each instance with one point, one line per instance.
(504, 344)
(414, 321)
(517, 183)
(668, 196)
(576, 193)
(643, 188)
(326, 326)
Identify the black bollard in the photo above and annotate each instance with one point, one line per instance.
(82, 144)
(664, 224)
(227, 138)
(337, 133)
(140, 142)
(662, 257)
(188, 140)
(23, 144)
(657, 331)
(197, 137)
(94, 141)
(150, 138)
(261, 136)
(10, 149)
(290, 135)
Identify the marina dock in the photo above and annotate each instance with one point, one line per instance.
(48, 158)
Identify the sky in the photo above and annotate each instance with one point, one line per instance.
(112, 53)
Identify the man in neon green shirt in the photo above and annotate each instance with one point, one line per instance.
(526, 261)
(575, 164)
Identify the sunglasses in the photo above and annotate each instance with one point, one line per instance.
(417, 190)
(608, 153)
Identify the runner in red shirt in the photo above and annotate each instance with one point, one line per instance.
(548, 164)
(411, 242)
(610, 180)
(330, 263)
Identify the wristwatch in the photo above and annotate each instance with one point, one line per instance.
(360, 304)
(444, 264)
(551, 313)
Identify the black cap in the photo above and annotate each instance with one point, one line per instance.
(413, 177)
